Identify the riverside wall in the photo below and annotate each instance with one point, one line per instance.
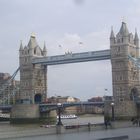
(18, 131)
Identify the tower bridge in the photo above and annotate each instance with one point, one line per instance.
(124, 56)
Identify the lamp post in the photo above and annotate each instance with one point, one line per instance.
(112, 107)
(59, 105)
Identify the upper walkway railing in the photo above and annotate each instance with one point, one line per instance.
(73, 58)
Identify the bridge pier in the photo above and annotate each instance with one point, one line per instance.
(122, 111)
(30, 113)
(48, 117)
(24, 113)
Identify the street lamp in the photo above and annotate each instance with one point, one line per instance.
(112, 107)
(59, 106)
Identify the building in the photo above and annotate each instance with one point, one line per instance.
(62, 99)
(33, 79)
(90, 109)
(65, 99)
(96, 99)
(125, 75)
(9, 90)
(108, 98)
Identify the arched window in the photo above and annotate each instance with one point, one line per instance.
(37, 98)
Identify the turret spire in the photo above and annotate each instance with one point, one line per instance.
(136, 35)
(112, 33)
(123, 30)
(21, 46)
(136, 41)
(32, 43)
(44, 49)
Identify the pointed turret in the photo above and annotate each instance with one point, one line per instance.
(136, 42)
(21, 46)
(124, 30)
(112, 37)
(21, 50)
(136, 35)
(123, 34)
(32, 42)
(112, 33)
(44, 49)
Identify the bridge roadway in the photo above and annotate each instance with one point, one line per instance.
(54, 106)
(45, 107)
(73, 58)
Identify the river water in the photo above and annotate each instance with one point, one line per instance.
(7, 131)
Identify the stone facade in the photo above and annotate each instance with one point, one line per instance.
(32, 77)
(125, 75)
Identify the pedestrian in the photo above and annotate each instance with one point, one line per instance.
(132, 119)
(139, 122)
(106, 123)
(109, 123)
(135, 121)
(89, 126)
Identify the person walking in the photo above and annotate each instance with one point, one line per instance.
(139, 122)
(106, 123)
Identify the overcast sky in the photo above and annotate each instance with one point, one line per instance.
(66, 23)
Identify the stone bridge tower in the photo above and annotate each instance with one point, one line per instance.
(125, 76)
(32, 77)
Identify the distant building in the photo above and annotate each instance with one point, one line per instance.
(108, 98)
(96, 99)
(94, 109)
(8, 91)
(65, 99)
(62, 99)
(4, 77)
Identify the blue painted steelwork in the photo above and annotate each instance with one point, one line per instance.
(53, 106)
(4, 86)
(49, 107)
(5, 108)
(73, 58)
(136, 62)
